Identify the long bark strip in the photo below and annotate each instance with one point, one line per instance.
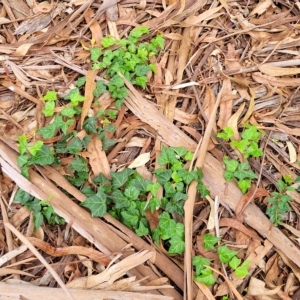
(189, 204)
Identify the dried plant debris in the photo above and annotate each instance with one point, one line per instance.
(150, 148)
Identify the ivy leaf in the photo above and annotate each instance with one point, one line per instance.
(139, 31)
(209, 241)
(244, 185)
(141, 81)
(100, 88)
(130, 219)
(189, 156)
(119, 199)
(231, 164)
(70, 93)
(153, 188)
(199, 262)
(22, 160)
(65, 125)
(95, 54)
(47, 132)
(22, 139)
(49, 109)
(203, 190)
(166, 225)
(228, 175)
(240, 145)
(35, 148)
(158, 41)
(96, 204)
(75, 145)
(177, 245)
(78, 164)
(50, 96)
(142, 230)
(163, 175)
(76, 98)
(43, 157)
(132, 193)
(107, 42)
(167, 156)
(242, 270)
(22, 197)
(68, 112)
(225, 254)
(251, 133)
(80, 81)
(90, 125)
(206, 277)
(226, 134)
(38, 220)
(234, 263)
(120, 178)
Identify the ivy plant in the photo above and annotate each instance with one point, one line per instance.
(42, 210)
(204, 274)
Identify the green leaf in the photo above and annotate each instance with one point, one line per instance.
(244, 185)
(163, 175)
(132, 193)
(76, 98)
(251, 133)
(22, 139)
(96, 204)
(253, 150)
(234, 263)
(225, 254)
(231, 164)
(100, 88)
(119, 199)
(22, 197)
(116, 81)
(142, 230)
(75, 145)
(242, 270)
(153, 188)
(47, 132)
(80, 81)
(154, 204)
(22, 160)
(43, 157)
(65, 125)
(130, 219)
(228, 176)
(199, 262)
(38, 220)
(78, 164)
(141, 70)
(209, 241)
(179, 230)
(226, 134)
(50, 96)
(35, 148)
(69, 112)
(90, 125)
(158, 41)
(189, 156)
(107, 42)
(141, 81)
(139, 31)
(203, 190)
(74, 91)
(240, 145)
(120, 178)
(177, 245)
(206, 277)
(167, 156)
(169, 189)
(166, 225)
(49, 109)
(95, 54)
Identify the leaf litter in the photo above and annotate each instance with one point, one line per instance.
(223, 64)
